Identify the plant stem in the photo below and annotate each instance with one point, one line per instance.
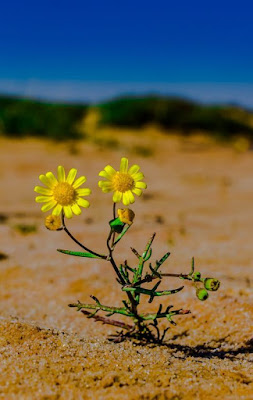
(98, 306)
(150, 278)
(77, 242)
(108, 321)
(114, 265)
(150, 292)
(114, 216)
(142, 258)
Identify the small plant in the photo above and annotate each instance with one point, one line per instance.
(65, 196)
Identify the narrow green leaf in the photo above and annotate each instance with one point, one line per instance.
(78, 253)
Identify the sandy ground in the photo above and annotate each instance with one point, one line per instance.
(199, 202)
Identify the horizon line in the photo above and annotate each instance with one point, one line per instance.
(230, 93)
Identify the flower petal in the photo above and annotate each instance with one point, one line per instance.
(123, 164)
(76, 209)
(105, 186)
(110, 171)
(128, 198)
(131, 196)
(83, 203)
(57, 210)
(43, 199)
(83, 192)
(71, 176)
(61, 174)
(48, 205)
(46, 181)
(105, 175)
(79, 182)
(141, 185)
(67, 211)
(50, 176)
(136, 191)
(125, 199)
(135, 168)
(117, 196)
(138, 176)
(42, 190)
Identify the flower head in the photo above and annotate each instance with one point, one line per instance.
(63, 194)
(53, 222)
(126, 215)
(124, 183)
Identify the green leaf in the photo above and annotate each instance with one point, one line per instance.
(78, 253)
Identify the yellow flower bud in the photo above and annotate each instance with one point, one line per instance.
(53, 222)
(126, 216)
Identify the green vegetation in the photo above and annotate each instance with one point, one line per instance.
(25, 229)
(178, 114)
(24, 117)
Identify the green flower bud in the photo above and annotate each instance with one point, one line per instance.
(211, 284)
(202, 294)
(117, 225)
(196, 276)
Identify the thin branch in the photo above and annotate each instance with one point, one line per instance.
(108, 321)
(77, 242)
(114, 216)
(99, 306)
(150, 278)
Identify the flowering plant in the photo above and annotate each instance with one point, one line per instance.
(65, 196)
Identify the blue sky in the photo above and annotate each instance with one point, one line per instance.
(92, 50)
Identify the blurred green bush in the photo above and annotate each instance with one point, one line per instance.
(177, 114)
(24, 117)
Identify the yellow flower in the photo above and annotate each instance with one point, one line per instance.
(123, 183)
(53, 222)
(126, 216)
(63, 194)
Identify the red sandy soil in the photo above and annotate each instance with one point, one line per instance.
(199, 202)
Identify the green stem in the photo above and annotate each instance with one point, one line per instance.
(110, 310)
(110, 258)
(150, 292)
(114, 265)
(120, 236)
(126, 313)
(142, 259)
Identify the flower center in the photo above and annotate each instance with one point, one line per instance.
(122, 182)
(64, 194)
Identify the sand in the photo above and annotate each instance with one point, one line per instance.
(199, 203)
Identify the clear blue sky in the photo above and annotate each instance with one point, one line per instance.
(90, 50)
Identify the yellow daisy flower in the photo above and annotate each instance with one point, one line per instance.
(124, 183)
(63, 194)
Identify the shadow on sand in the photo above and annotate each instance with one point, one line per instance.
(207, 351)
